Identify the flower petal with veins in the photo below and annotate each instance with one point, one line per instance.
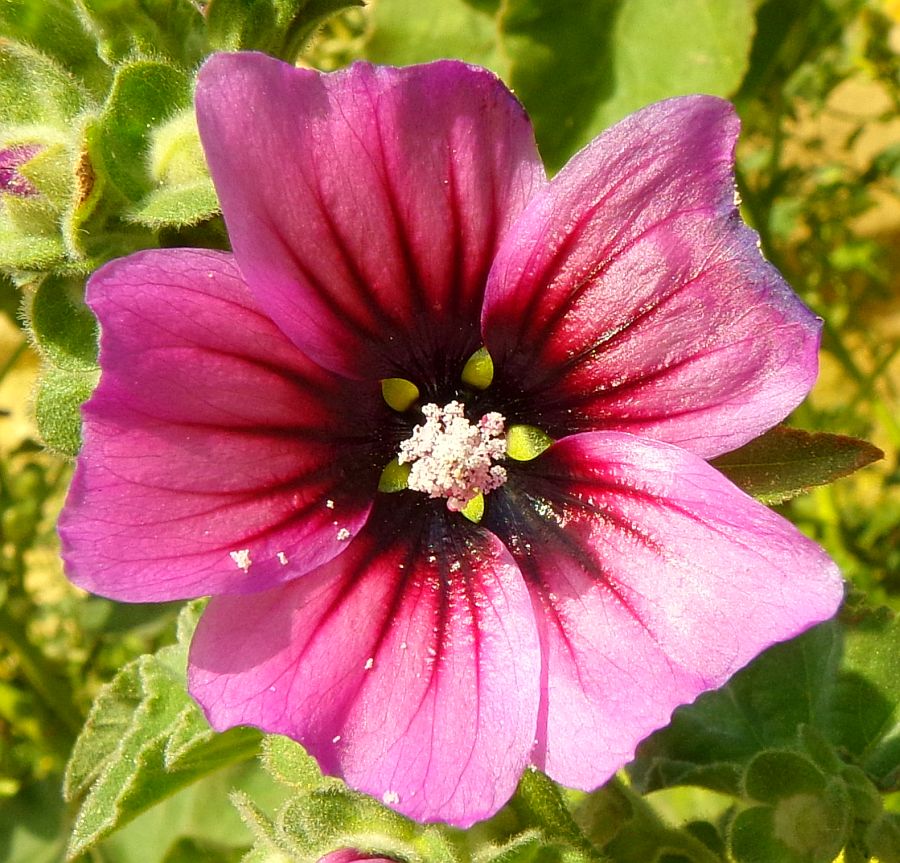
(640, 559)
(630, 295)
(209, 434)
(409, 665)
(394, 228)
(369, 214)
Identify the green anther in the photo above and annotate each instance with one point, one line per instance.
(399, 393)
(474, 509)
(478, 371)
(395, 477)
(523, 443)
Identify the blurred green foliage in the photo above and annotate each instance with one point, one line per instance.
(104, 88)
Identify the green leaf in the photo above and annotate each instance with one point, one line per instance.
(577, 66)
(146, 94)
(289, 763)
(58, 399)
(187, 204)
(236, 25)
(883, 838)
(336, 817)
(63, 327)
(416, 31)
(863, 712)
(785, 462)
(65, 333)
(93, 228)
(176, 154)
(40, 107)
(668, 49)
(322, 814)
(37, 92)
(23, 251)
(533, 847)
(841, 678)
(278, 27)
(752, 838)
(32, 825)
(127, 29)
(198, 820)
(602, 813)
(563, 66)
(184, 193)
(801, 828)
(55, 27)
(143, 740)
(540, 803)
(789, 33)
(301, 25)
(193, 850)
(773, 775)
(115, 168)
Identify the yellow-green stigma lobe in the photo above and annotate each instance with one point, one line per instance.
(399, 393)
(394, 477)
(524, 442)
(478, 372)
(453, 458)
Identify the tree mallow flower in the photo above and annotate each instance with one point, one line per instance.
(434, 436)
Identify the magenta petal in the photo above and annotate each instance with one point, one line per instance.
(210, 437)
(12, 181)
(653, 579)
(351, 855)
(630, 295)
(408, 665)
(365, 206)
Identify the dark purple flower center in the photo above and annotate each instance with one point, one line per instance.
(451, 450)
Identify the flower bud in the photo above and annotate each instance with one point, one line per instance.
(12, 181)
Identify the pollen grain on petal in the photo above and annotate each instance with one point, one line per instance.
(241, 557)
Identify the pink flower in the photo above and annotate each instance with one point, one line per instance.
(386, 224)
(12, 181)
(349, 855)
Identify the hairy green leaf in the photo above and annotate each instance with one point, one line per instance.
(58, 399)
(127, 29)
(841, 678)
(65, 334)
(146, 94)
(63, 327)
(143, 740)
(55, 27)
(187, 204)
(37, 92)
(278, 27)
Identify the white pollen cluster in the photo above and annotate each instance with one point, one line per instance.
(241, 557)
(452, 458)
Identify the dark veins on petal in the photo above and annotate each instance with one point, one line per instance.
(534, 516)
